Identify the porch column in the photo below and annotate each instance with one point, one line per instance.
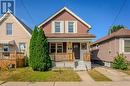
(87, 55)
(69, 51)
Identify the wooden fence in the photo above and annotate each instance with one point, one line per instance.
(11, 59)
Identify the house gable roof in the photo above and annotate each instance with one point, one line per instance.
(120, 33)
(26, 28)
(69, 11)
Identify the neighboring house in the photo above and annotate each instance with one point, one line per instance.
(105, 49)
(69, 39)
(14, 37)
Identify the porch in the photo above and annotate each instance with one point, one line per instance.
(69, 53)
(9, 56)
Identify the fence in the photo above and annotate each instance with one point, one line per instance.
(12, 59)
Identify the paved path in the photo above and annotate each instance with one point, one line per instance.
(86, 81)
(114, 75)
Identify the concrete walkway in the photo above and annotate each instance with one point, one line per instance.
(114, 75)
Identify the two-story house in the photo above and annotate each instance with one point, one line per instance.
(14, 37)
(69, 39)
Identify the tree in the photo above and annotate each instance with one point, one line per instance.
(43, 61)
(120, 62)
(115, 28)
(32, 48)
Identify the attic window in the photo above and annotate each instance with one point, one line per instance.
(9, 28)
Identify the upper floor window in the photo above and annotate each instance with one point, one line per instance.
(9, 28)
(57, 27)
(126, 45)
(70, 27)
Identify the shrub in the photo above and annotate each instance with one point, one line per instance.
(39, 51)
(26, 61)
(32, 49)
(120, 62)
(42, 56)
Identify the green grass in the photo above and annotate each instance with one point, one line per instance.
(27, 74)
(97, 76)
(126, 71)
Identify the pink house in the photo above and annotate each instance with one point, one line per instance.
(69, 39)
(105, 49)
(14, 40)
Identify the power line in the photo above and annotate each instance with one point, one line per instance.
(121, 8)
(27, 11)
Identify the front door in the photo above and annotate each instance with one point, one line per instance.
(76, 50)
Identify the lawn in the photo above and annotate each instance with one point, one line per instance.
(97, 76)
(128, 70)
(27, 74)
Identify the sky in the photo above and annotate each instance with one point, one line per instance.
(100, 14)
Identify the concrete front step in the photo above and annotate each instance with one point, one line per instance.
(80, 65)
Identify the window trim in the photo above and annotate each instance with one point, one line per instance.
(50, 47)
(7, 46)
(86, 45)
(7, 29)
(24, 47)
(61, 26)
(74, 26)
(124, 46)
(56, 45)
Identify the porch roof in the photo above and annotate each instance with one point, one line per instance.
(69, 35)
(69, 39)
(10, 42)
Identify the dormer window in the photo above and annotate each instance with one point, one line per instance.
(57, 27)
(9, 28)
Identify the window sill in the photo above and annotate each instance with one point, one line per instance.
(126, 52)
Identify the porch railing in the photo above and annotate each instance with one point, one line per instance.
(68, 57)
(16, 59)
(62, 56)
(87, 57)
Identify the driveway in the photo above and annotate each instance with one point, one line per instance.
(114, 75)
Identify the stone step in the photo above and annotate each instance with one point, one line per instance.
(80, 65)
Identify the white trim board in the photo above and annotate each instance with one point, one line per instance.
(69, 39)
(65, 8)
